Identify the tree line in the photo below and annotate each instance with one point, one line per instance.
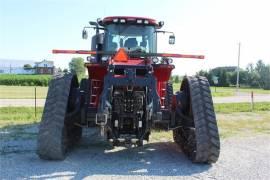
(254, 75)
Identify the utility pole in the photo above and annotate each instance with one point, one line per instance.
(238, 69)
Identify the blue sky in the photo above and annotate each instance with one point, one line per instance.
(29, 30)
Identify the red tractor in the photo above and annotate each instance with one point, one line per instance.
(127, 94)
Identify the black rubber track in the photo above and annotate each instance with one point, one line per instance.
(84, 86)
(201, 143)
(56, 134)
(169, 95)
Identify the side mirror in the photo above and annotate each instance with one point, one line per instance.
(171, 39)
(84, 34)
(93, 23)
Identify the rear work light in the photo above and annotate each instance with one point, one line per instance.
(146, 22)
(104, 58)
(91, 59)
(139, 21)
(155, 60)
(115, 20)
(122, 20)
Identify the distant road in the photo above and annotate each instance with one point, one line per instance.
(243, 97)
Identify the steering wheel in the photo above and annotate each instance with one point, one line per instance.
(137, 49)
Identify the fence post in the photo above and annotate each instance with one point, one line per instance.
(35, 103)
(252, 101)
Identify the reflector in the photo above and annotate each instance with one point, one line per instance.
(121, 56)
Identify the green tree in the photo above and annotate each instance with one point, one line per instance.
(264, 74)
(27, 66)
(253, 77)
(76, 66)
(208, 75)
(176, 79)
(202, 73)
(259, 66)
(65, 70)
(243, 77)
(223, 78)
(171, 79)
(266, 78)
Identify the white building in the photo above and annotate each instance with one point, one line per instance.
(45, 67)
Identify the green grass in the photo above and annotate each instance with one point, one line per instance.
(244, 124)
(228, 91)
(241, 107)
(160, 135)
(12, 116)
(176, 87)
(236, 124)
(230, 124)
(22, 92)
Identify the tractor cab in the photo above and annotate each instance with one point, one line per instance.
(132, 34)
(131, 37)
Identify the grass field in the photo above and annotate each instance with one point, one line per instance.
(241, 107)
(243, 124)
(228, 91)
(22, 92)
(28, 92)
(11, 116)
(237, 124)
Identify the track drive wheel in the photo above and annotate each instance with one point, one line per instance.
(57, 130)
(198, 137)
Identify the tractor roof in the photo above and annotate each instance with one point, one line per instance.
(129, 20)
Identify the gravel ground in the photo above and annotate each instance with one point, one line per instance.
(241, 158)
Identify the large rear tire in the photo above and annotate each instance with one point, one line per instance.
(198, 139)
(57, 130)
